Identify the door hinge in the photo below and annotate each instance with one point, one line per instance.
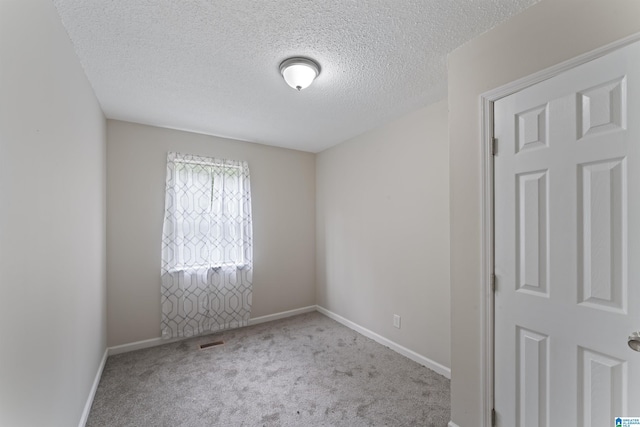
(494, 146)
(493, 418)
(493, 283)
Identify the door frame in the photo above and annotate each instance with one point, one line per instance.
(487, 308)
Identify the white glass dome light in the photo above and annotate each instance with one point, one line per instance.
(299, 73)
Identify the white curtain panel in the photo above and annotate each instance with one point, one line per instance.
(207, 256)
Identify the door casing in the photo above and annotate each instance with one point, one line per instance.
(487, 252)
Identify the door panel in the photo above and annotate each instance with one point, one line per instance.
(567, 227)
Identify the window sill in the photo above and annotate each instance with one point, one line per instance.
(209, 267)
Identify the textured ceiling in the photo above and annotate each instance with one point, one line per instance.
(211, 66)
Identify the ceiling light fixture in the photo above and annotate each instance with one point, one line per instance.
(299, 73)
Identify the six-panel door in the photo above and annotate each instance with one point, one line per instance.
(567, 247)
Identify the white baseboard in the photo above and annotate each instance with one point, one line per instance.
(424, 361)
(92, 392)
(281, 315)
(153, 342)
(139, 345)
(452, 424)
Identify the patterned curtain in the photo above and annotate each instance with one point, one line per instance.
(207, 256)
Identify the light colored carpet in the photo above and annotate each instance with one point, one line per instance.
(306, 370)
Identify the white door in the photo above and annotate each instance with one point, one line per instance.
(567, 247)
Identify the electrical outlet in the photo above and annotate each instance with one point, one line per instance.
(396, 321)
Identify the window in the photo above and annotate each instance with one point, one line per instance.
(207, 268)
(209, 211)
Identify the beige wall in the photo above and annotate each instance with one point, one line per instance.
(383, 231)
(52, 222)
(548, 33)
(283, 202)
